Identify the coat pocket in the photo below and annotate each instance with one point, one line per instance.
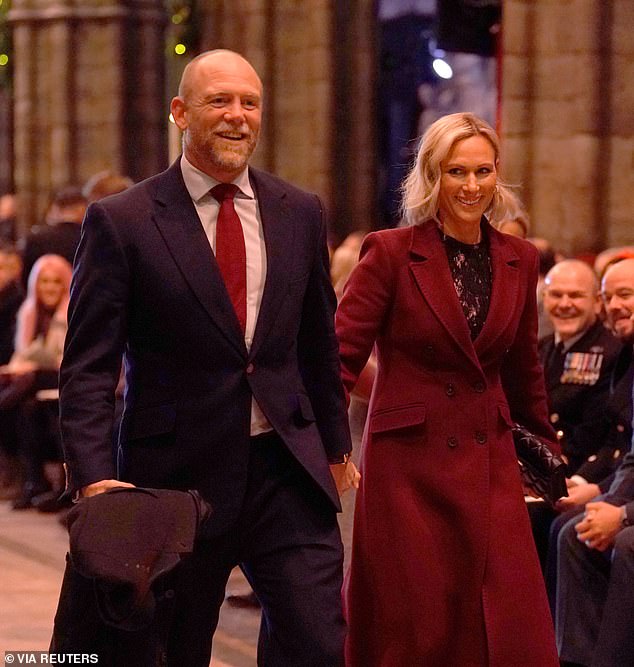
(391, 419)
(505, 415)
(148, 422)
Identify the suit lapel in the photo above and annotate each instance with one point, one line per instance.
(504, 292)
(432, 275)
(279, 237)
(179, 225)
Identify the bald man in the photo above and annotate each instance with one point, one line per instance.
(211, 280)
(578, 359)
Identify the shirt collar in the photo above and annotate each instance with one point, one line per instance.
(198, 183)
(570, 341)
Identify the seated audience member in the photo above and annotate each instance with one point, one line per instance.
(8, 221)
(105, 183)
(11, 297)
(343, 260)
(608, 256)
(579, 361)
(595, 572)
(60, 235)
(547, 259)
(34, 366)
(516, 222)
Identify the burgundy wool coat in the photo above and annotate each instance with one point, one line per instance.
(444, 570)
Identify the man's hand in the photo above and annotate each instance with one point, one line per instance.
(101, 487)
(578, 494)
(599, 526)
(346, 476)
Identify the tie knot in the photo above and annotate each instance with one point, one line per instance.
(224, 191)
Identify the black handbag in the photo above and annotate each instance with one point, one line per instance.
(542, 471)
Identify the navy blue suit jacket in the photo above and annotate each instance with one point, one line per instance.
(146, 285)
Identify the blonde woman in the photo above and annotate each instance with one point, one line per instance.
(443, 569)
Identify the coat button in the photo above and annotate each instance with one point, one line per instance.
(450, 390)
(429, 349)
(481, 437)
(250, 369)
(479, 387)
(452, 441)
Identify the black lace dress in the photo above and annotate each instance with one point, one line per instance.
(472, 276)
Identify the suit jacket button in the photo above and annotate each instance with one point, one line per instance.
(429, 349)
(479, 387)
(450, 390)
(452, 441)
(250, 369)
(481, 437)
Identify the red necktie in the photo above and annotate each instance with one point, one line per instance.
(230, 251)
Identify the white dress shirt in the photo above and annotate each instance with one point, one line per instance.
(198, 185)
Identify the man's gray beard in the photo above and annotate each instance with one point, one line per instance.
(229, 160)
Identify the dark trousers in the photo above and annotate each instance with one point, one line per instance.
(288, 545)
(595, 600)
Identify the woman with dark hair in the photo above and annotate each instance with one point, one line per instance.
(444, 569)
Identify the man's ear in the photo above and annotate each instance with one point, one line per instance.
(179, 114)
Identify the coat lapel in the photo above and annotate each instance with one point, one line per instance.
(179, 225)
(432, 275)
(279, 238)
(504, 293)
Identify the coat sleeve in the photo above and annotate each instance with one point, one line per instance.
(522, 373)
(92, 353)
(622, 488)
(363, 307)
(318, 353)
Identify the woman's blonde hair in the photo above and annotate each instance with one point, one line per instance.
(421, 187)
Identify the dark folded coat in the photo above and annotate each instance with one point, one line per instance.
(126, 539)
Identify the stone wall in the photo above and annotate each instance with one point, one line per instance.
(88, 94)
(316, 64)
(567, 126)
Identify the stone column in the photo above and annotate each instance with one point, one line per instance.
(89, 93)
(567, 127)
(317, 66)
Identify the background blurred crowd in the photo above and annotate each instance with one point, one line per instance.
(35, 275)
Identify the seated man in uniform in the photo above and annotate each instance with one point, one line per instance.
(595, 574)
(578, 360)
